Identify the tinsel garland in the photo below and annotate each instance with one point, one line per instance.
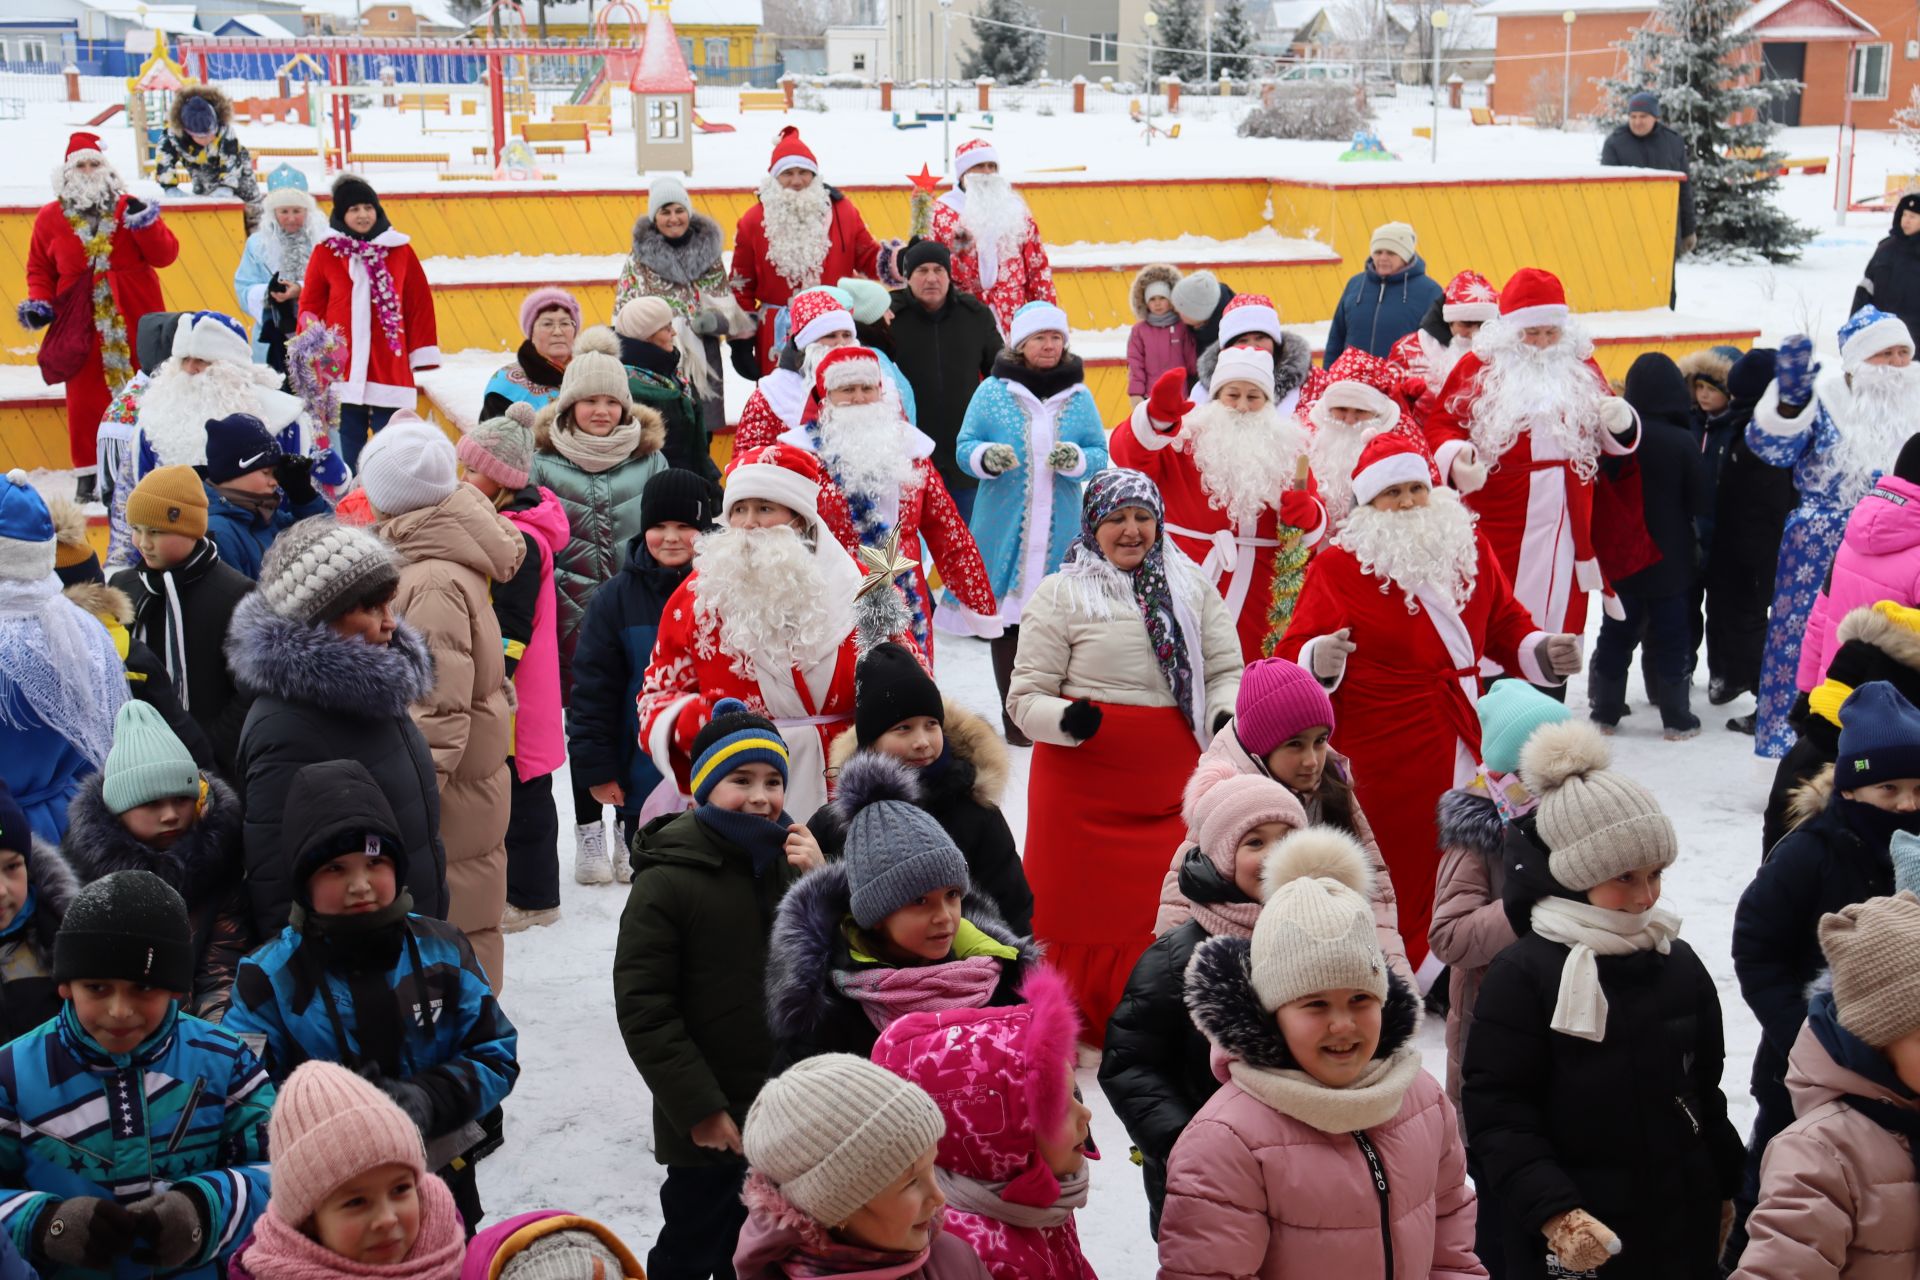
(313, 366)
(96, 239)
(1289, 572)
(386, 302)
(920, 214)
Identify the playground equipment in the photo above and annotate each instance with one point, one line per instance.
(150, 99)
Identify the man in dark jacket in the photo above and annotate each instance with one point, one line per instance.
(944, 340)
(1645, 143)
(1892, 281)
(1386, 301)
(1751, 503)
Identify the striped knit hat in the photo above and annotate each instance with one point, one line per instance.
(735, 736)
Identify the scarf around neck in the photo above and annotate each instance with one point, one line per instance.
(386, 300)
(1370, 1101)
(1230, 917)
(988, 1199)
(1589, 932)
(1165, 320)
(281, 1251)
(160, 623)
(885, 994)
(260, 506)
(594, 454)
(764, 840)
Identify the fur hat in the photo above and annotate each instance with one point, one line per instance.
(1876, 987)
(406, 466)
(1278, 699)
(549, 297)
(1315, 932)
(1037, 317)
(1234, 806)
(211, 335)
(501, 448)
(27, 542)
(1388, 459)
(1532, 297)
(777, 473)
(595, 370)
(1242, 364)
(1594, 824)
(329, 1125)
(895, 850)
(171, 499)
(1196, 295)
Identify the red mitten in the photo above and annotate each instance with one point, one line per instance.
(1168, 402)
(687, 725)
(1412, 387)
(1301, 510)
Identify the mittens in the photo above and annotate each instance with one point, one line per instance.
(1081, 720)
(1617, 416)
(86, 1232)
(1300, 510)
(1168, 402)
(34, 314)
(412, 1099)
(1581, 1241)
(1793, 370)
(175, 1225)
(997, 458)
(744, 353)
(1469, 474)
(709, 323)
(1064, 457)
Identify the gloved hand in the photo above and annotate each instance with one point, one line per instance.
(1793, 371)
(1617, 416)
(412, 1099)
(687, 726)
(709, 323)
(294, 474)
(744, 353)
(86, 1232)
(1469, 474)
(1167, 403)
(34, 314)
(1581, 1241)
(136, 205)
(1081, 720)
(1687, 243)
(998, 458)
(1412, 387)
(1560, 655)
(1330, 654)
(513, 695)
(1064, 457)
(174, 1226)
(1301, 510)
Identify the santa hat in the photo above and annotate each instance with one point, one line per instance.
(1036, 317)
(1360, 380)
(1469, 297)
(1532, 298)
(846, 367)
(1249, 313)
(1867, 333)
(814, 314)
(972, 152)
(1389, 459)
(209, 335)
(1242, 364)
(791, 153)
(776, 473)
(84, 143)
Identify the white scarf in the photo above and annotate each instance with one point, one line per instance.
(1367, 1103)
(1590, 932)
(984, 1199)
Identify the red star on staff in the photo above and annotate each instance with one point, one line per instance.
(924, 180)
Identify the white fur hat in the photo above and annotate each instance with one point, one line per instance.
(1242, 364)
(209, 335)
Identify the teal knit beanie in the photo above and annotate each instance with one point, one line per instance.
(147, 762)
(1509, 713)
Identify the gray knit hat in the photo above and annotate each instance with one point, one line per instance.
(316, 569)
(147, 762)
(1876, 987)
(1596, 824)
(895, 850)
(1315, 932)
(1196, 296)
(834, 1130)
(595, 370)
(501, 448)
(665, 190)
(408, 465)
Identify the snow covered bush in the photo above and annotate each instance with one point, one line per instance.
(1308, 112)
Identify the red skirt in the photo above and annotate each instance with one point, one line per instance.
(1103, 820)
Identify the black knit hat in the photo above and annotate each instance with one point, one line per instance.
(921, 252)
(679, 494)
(1907, 466)
(336, 807)
(890, 686)
(15, 831)
(349, 190)
(237, 445)
(130, 925)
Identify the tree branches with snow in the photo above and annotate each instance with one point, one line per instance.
(1006, 53)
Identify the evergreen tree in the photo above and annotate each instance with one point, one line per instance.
(1179, 42)
(1232, 38)
(1708, 76)
(1009, 55)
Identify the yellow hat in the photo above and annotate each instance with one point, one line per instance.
(170, 499)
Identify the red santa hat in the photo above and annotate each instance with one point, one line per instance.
(1470, 297)
(1249, 313)
(972, 152)
(814, 314)
(84, 143)
(1389, 459)
(846, 367)
(776, 473)
(1360, 380)
(791, 153)
(1533, 298)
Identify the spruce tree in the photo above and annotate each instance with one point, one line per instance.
(1232, 38)
(1182, 27)
(1009, 55)
(1708, 76)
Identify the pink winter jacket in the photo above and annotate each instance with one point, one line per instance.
(1151, 351)
(775, 1231)
(1837, 1194)
(1469, 926)
(1876, 561)
(539, 725)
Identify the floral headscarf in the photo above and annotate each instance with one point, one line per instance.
(1113, 490)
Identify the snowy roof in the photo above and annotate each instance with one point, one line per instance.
(1531, 8)
(1472, 27)
(1805, 20)
(685, 13)
(174, 19)
(662, 69)
(434, 13)
(1288, 16)
(256, 24)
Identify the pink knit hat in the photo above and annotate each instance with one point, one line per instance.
(546, 298)
(1277, 700)
(1222, 817)
(328, 1125)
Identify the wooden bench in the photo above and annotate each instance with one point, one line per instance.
(557, 131)
(286, 153)
(358, 158)
(426, 102)
(1803, 164)
(595, 116)
(1480, 115)
(763, 100)
(484, 150)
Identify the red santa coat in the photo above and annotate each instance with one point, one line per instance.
(851, 251)
(776, 406)
(1535, 509)
(1019, 278)
(1238, 561)
(338, 291)
(1406, 701)
(1417, 360)
(57, 261)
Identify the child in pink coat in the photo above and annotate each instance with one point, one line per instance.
(1876, 561)
(1013, 1160)
(1328, 1151)
(1158, 341)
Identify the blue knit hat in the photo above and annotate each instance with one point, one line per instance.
(1879, 738)
(198, 116)
(733, 737)
(237, 444)
(27, 543)
(1646, 100)
(1509, 713)
(1906, 861)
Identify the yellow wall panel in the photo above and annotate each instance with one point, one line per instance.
(33, 435)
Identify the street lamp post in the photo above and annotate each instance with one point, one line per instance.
(1566, 72)
(946, 81)
(1439, 21)
(1151, 20)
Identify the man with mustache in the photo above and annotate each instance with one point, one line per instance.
(997, 253)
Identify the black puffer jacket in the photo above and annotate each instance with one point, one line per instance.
(1674, 489)
(1892, 279)
(944, 353)
(28, 994)
(209, 595)
(323, 697)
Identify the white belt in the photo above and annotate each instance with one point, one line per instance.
(801, 722)
(1225, 548)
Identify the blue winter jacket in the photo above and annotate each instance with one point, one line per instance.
(242, 537)
(187, 1109)
(1373, 313)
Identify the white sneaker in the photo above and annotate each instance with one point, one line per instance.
(590, 863)
(622, 859)
(515, 919)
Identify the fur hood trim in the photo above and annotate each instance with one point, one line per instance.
(102, 601)
(287, 659)
(1706, 363)
(1053, 1032)
(222, 108)
(1153, 273)
(972, 740)
(53, 882)
(205, 861)
(805, 941)
(1291, 364)
(1870, 625)
(683, 263)
(1470, 821)
(653, 430)
(1810, 797)
(1221, 998)
(69, 522)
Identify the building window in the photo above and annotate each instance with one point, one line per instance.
(1871, 64)
(663, 119)
(33, 50)
(717, 52)
(1103, 47)
(859, 62)
(393, 15)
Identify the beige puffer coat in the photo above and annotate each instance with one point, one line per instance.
(455, 551)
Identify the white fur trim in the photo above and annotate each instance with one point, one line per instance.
(971, 156)
(1767, 415)
(1318, 531)
(1872, 340)
(1443, 457)
(785, 163)
(1547, 313)
(424, 358)
(1238, 321)
(1481, 311)
(1037, 318)
(1149, 436)
(832, 320)
(23, 561)
(859, 371)
(775, 484)
(1306, 660)
(210, 339)
(1242, 364)
(1395, 468)
(660, 740)
(1530, 662)
(1349, 394)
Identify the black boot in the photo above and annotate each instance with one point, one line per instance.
(1003, 647)
(1607, 695)
(1721, 691)
(1676, 715)
(1742, 724)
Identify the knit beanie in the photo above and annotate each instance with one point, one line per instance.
(1905, 852)
(501, 449)
(1277, 700)
(833, 1131)
(1315, 932)
(350, 189)
(1509, 713)
(548, 297)
(868, 299)
(15, 832)
(27, 540)
(1196, 296)
(170, 499)
(318, 568)
(1395, 237)
(1594, 823)
(1158, 289)
(1876, 985)
(1879, 738)
(595, 369)
(641, 318)
(1644, 101)
(329, 1125)
(197, 116)
(681, 495)
(570, 1253)
(665, 190)
(895, 850)
(237, 445)
(1907, 465)
(1234, 806)
(147, 762)
(406, 466)
(733, 737)
(130, 925)
(921, 252)
(889, 686)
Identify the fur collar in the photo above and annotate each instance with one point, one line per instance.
(978, 753)
(1221, 998)
(222, 108)
(204, 863)
(1470, 821)
(51, 878)
(1290, 364)
(291, 660)
(1153, 273)
(653, 430)
(1870, 626)
(1044, 383)
(102, 601)
(683, 263)
(1810, 797)
(805, 942)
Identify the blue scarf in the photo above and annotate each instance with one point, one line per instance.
(1861, 1058)
(765, 841)
(20, 918)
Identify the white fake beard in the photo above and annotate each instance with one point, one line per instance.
(176, 406)
(1877, 422)
(292, 250)
(1334, 452)
(764, 594)
(1441, 360)
(865, 447)
(995, 216)
(1551, 393)
(798, 227)
(1430, 547)
(1246, 460)
(93, 192)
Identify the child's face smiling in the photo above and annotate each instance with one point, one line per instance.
(899, 1219)
(917, 740)
(118, 1014)
(754, 788)
(1332, 1034)
(922, 932)
(1300, 760)
(372, 1219)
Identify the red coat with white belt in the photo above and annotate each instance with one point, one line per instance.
(339, 292)
(757, 283)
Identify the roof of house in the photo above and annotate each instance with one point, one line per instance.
(685, 13)
(174, 19)
(662, 69)
(1811, 20)
(1289, 16)
(1472, 27)
(1533, 8)
(252, 24)
(435, 13)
